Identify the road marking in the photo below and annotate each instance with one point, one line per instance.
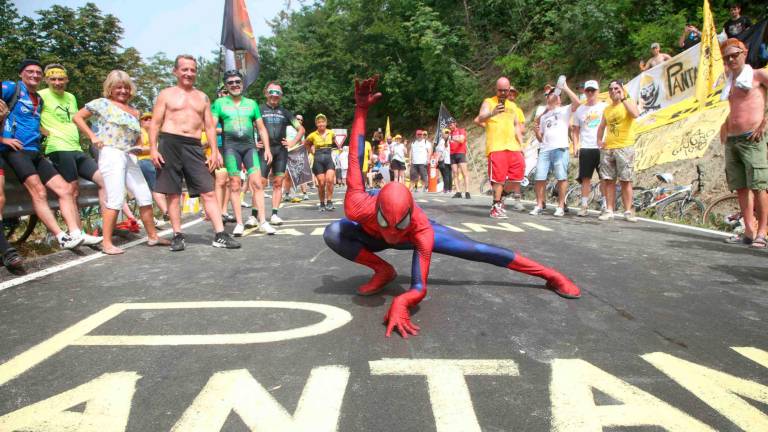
(304, 224)
(237, 391)
(107, 407)
(536, 226)
(448, 392)
(57, 268)
(719, 390)
(574, 408)
(76, 335)
(462, 230)
(317, 231)
(289, 231)
(756, 355)
(438, 200)
(502, 226)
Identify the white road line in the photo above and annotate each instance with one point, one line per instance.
(536, 226)
(57, 268)
(305, 224)
(438, 200)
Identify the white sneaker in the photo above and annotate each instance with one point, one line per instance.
(517, 205)
(245, 204)
(583, 211)
(607, 215)
(70, 242)
(275, 220)
(536, 211)
(266, 228)
(252, 222)
(89, 240)
(238, 231)
(629, 217)
(559, 212)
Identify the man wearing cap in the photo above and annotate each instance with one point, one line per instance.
(20, 149)
(276, 119)
(657, 57)
(421, 151)
(62, 139)
(459, 157)
(616, 140)
(552, 130)
(502, 120)
(321, 143)
(746, 163)
(586, 121)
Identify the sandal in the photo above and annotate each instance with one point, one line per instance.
(159, 241)
(738, 239)
(759, 242)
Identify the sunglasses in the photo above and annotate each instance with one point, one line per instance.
(274, 92)
(502, 90)
(233, 82)
(589, 90)
(733, 56)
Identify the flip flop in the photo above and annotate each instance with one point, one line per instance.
(738, 239)
(759, 242)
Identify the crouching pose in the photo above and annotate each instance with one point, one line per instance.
(391, 219)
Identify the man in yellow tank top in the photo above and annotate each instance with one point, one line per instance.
(617, 151)
(503, 121)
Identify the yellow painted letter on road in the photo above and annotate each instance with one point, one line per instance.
(719, 390)
(107, 406)
(574, 409)
(318, 409)
(755, 354)
(448, 391)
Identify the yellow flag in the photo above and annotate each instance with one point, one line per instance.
(710, 59)
(387, 133)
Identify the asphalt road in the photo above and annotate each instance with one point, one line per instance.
(670, 334)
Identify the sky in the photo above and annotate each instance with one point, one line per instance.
(172, 26)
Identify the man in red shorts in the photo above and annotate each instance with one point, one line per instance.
(506, 164)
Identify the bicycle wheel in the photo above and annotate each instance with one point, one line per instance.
(573, 196)
(724, 213)
(681, 209)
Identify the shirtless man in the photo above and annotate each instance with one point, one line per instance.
(657, 57)
(745, 143)
(180, 115)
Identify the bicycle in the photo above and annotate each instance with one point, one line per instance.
(680, 203)
(724, 213)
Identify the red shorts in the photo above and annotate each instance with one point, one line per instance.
(506, 165)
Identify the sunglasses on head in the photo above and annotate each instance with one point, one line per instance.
(274, 92)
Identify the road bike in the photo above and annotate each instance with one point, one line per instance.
(724, 214)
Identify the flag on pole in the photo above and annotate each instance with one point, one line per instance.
(237, 36)
(443, 118)
(710, 59)
(387, 133)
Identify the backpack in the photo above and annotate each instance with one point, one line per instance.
(11, 103)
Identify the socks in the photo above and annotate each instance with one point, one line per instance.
(255, 213)
(274, 211)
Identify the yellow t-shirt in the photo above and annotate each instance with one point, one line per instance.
(321, 142)
(500, 129)
(144, 146)
(619, 127)
(366, 156)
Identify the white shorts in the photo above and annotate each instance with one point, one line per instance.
(120, 172)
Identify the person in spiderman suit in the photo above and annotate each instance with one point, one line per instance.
(389, 218)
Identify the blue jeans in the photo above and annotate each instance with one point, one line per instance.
(555, 159)
(149, 172)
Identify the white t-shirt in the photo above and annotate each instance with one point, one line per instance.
(588, 118)
(344, 158)
(443, 148)
(419, 150)
(554, 125)
(398, 152)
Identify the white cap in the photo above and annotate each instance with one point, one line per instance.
(591, 84)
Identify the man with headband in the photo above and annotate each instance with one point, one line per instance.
(20, 149)
(62, 140)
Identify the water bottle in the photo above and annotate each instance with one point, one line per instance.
(559, 86)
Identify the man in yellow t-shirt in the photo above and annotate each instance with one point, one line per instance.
(617, 151)
(321, 142)
(503, 122)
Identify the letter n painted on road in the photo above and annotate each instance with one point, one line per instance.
(448, 392)
(719, 390)
(574, 409)
(318, 409)
(107, 406)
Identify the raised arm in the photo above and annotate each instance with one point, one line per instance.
(365, 97)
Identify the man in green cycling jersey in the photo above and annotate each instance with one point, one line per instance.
(238, 115)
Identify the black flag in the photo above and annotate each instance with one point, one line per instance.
(443, 118)
(237, 35)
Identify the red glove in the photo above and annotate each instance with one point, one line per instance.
(398, 317)
(365, 95)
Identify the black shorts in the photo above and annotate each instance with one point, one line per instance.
(397, 165)
(2, 167)
(279, 161)
(236, 159)
(419, 171)
(28, 163)
(73, 164)
(458, 158)
(589, 161)
(184, 159)
(323, 162)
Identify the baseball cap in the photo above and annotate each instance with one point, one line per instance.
(591, 84)
(321, 116)
(446, 130)
(512, 89)
(147, 114)
(655, 45)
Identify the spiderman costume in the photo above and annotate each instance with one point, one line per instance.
(390, 219)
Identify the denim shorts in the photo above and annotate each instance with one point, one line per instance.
(556, 160)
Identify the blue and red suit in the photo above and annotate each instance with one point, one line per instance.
(391, 219)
